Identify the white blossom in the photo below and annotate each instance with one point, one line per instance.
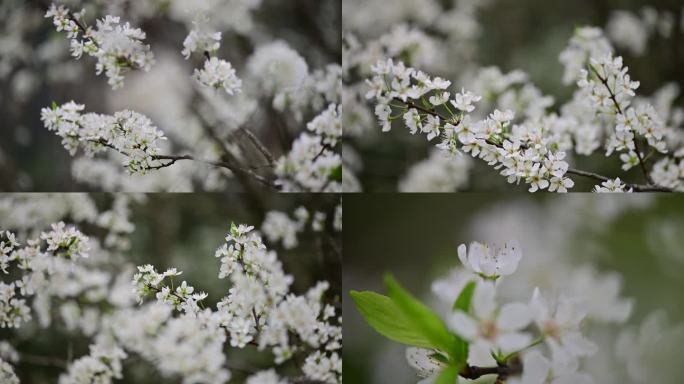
(117, 47)
(491, 330)
(219, 74)
(490, 261)
(276, 67)
(127, 132)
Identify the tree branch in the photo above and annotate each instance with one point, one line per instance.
(635, 187)
(258, 144)
(502, 371)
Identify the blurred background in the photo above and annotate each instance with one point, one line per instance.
(635, 240)
(36, 69)
(170, 230)
(511, 34)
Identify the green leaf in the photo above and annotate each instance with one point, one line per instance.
(54, 106)
(387, 319)
(463, 303)
(448, 376)
(422, 319)
(439, 357)
(465, 297)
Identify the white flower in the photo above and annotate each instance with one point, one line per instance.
(66, 241)
(127, 132)
(612, 186)
(464, 101)
(117, 47)
(328, 124)
(490, 261)
(490, 329)
(277, 67)
(560, 325)
(202, 41)
(537, 369)
(413, 121)
(265, 377)
(218, 73)
(7, 374)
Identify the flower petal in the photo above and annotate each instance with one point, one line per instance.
(463, 325)
(535, 368)
(513, 317)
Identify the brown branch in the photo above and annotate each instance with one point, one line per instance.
(258, 144)
(502, 371)
(635, 187)
(173, 159)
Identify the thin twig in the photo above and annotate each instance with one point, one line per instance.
(613, 98)
(45, 361)
(635, 187)
(259, 145)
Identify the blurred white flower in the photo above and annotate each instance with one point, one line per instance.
(490, 261)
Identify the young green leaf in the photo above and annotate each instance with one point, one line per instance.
(463, 303)
(422, 319)
(387, 319)
(448, 376)
(465, 297)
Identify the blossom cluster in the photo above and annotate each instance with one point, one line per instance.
(219, 74)
(322, 87)
(612, 186)
(328, 125)
(279, 227)
(588, 122)
(522, 152)
(259, 309)
(36, 264)
(438, 173)
(178, 332)
(276, 68)
(610, 90)
(7, 373)
(200, 40)
(127, 132)
(104, 363)
(117, 47)
(313, 164)
(148, 280)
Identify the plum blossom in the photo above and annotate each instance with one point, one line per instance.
(560, 324)
(117, 47)
(491, 330)
(127, 132)
(219, 74)
(490, 261)
(537, 369)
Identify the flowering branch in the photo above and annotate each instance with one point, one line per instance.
(455, 120)
(613, 98)
(635, 187)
